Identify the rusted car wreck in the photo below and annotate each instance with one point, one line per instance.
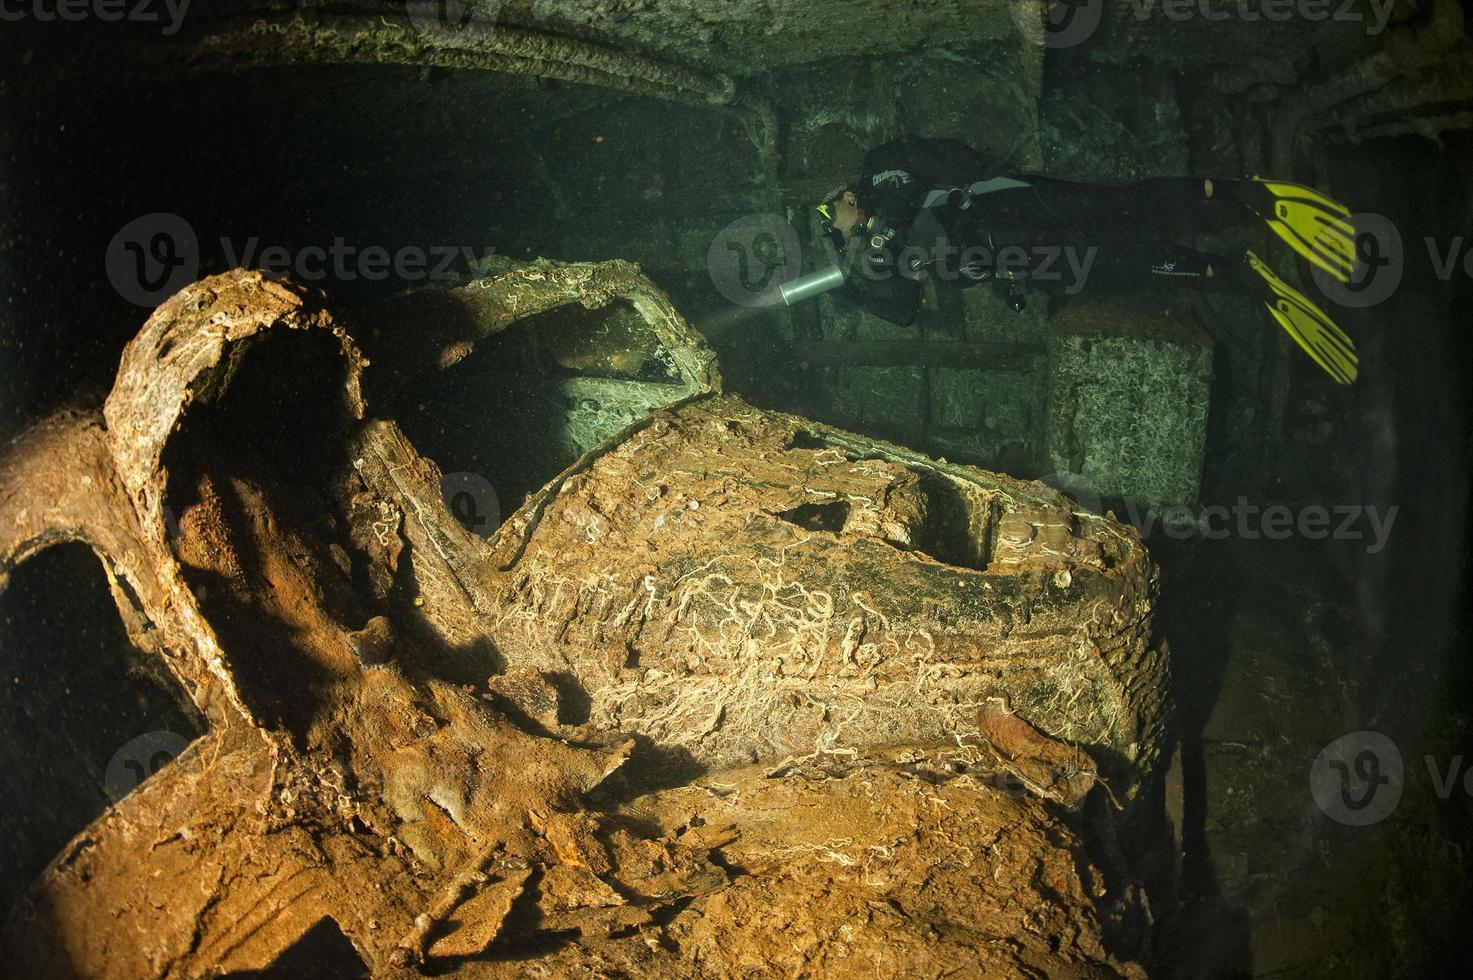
(730, 692)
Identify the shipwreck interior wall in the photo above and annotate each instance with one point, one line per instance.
(1135, 403)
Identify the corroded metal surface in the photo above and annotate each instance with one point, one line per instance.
(889, 636)
(750, 587)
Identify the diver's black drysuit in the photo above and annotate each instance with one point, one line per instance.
(1023, 229)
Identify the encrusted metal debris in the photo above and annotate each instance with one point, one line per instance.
(732, 692)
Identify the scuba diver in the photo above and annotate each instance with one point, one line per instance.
(921, 208)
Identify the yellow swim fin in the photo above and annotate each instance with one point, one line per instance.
(1329, 346)
(1314, 225)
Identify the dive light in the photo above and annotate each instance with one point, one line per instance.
(811, 285)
